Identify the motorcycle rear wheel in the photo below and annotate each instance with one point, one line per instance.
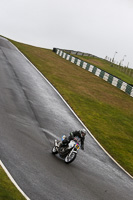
(71, 158)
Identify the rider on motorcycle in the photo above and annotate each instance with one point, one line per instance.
(79, 134)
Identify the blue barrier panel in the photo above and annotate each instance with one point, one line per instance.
(70, 58)
(101, 74)
(87, 67)
(128, 89)
(110, 79)
(119, 83)
(81, 63)
(75, 62)
(94, 70)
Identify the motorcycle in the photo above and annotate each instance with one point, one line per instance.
(67, 151)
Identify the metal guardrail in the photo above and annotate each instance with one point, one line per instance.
(79, 53)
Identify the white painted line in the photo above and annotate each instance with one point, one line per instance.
(76, 115)
(13, 181)
(115, 81)
(78, 62)
(84, 65)
(106, 76)
(98, 71)
(91, 68)
(131, 94)
(73, 59)
(123, 86)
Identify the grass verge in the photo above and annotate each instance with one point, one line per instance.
(7, 189)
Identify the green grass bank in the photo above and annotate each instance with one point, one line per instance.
(7, 189)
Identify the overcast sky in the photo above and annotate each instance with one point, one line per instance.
(99, 27)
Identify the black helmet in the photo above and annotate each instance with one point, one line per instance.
(83, 132)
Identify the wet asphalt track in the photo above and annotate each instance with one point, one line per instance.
(32, 114)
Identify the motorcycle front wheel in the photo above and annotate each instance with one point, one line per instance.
(71, 158)
(54, 150)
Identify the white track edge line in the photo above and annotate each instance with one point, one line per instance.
(75, 114)
(13, 181)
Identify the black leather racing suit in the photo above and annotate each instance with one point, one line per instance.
(77, 134)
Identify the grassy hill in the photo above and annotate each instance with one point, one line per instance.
(104, 109)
